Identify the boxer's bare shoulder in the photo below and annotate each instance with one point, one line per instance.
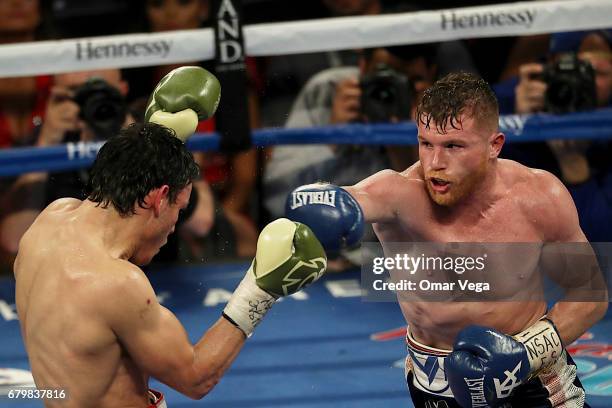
(128, 296)
(62, 205)
(389, 183)
(54, 213)
(412, 187)
(382, 194)
(542, 197)
(413, 177)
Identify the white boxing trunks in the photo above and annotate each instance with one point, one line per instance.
(556, 386)
(427, 367)
(156, 399)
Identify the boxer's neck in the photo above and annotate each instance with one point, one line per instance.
(119, 234)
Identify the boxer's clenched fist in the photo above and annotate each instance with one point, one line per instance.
(289, 257)
(182, 98)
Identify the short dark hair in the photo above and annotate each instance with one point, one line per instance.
(456, 94)
(142, 157)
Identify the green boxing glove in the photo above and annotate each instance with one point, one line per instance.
(183, 97)
(288, 258)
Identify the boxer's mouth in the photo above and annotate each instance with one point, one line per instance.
(439, 185)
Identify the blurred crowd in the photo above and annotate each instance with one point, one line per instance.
(240, 191)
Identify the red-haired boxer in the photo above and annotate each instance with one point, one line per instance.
(468, 354)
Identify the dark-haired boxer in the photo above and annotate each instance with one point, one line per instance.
(90, 320)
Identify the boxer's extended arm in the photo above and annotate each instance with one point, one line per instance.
(288, 258)
(336, 214)
(157, 342)
(373, 195)
(579, 275)
(330, 211)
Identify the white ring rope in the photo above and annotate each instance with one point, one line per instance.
(135, 50)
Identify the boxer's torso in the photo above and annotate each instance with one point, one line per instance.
(508, 217)
(61, 273)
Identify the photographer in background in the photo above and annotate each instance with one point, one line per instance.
(85, 106)
(64, 121)
(576, 77)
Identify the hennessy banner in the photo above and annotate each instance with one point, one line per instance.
(232, 116)
(296, 37)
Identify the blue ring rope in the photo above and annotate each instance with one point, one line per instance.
(518, 128)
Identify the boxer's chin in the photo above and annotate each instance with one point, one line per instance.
(458, 190)
(140, 261)
(452, 196)
(143, 259)
(455, 194)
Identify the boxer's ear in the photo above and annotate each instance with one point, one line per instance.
(496, 142)
(157, 199)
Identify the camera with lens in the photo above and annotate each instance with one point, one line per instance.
(102, 107)
(386, 94)
(570, 85)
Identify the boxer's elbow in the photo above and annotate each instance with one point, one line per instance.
(197, 383)
(600, 310)
(193, 383)
(200, 389)
(601, 307)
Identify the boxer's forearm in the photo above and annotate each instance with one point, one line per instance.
(214, 354)
(573, 319)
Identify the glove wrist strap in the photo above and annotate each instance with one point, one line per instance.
(248, 304)
(543, 344)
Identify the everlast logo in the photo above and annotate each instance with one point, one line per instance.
(454, 21)
(301, 198)
(476, 387)
(89, 51)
